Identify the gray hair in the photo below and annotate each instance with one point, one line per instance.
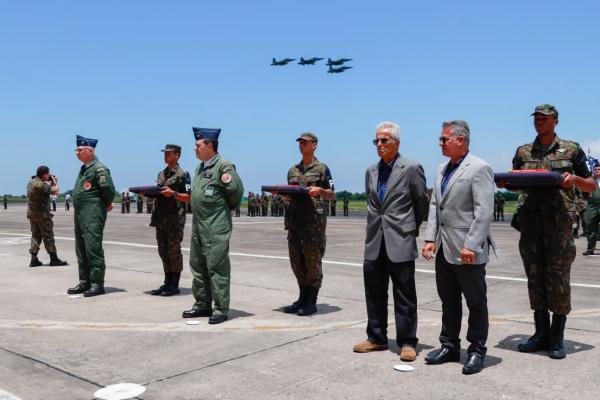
(458, 128)
(393, 127)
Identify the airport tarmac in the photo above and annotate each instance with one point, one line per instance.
(53, 346)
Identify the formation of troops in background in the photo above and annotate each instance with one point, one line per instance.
(458, 234)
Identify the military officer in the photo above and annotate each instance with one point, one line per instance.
(216, 190)
(546, 244)
(592, 213)
(305, 221)
(40, 219)
(92, 199)
(139, 201)
(168, 217)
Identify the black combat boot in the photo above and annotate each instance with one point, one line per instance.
(35, 262)
(557, 333)
(589, 252)
(172, 287)
(310, 302)
(295, 306)
(540, 339)
(55, 261)
(163, 287)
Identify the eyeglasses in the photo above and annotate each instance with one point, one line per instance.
(382, 140)
(445, 139)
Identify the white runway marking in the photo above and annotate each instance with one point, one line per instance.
(8, 396)
(424, 271)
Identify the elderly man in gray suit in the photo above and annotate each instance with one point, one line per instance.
(396, 207)
(458, 228)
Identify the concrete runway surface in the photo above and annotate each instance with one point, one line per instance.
(56, 347)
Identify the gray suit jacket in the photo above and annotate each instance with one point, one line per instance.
(398, 218)
(462, 216)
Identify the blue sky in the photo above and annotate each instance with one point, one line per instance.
(139, 74)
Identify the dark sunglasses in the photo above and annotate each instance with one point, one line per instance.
(444, 139)
(382, 140)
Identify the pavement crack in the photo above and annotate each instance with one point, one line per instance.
(252, 353)
(51, 367)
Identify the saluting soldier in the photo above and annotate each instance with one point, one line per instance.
(40, 218)
(305, 221)
(546, 244)
(216, 190)
(92, 199)
(169, 218)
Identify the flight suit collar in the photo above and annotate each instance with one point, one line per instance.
(90, 164)
(209, 163)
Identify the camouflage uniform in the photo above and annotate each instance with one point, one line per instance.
(305, 221)
(546, 244)
(346, 206)
(592, 219)
(168, 217)
(40, 218)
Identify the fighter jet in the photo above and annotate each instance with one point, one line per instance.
(331, 62)
(337, 70)
(285, 61)
(310, 61)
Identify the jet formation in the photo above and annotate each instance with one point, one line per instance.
(335, 66)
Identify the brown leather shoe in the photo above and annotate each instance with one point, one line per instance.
(367, 347)
(408, 353)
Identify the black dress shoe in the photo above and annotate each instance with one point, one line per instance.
(474, 364)
(95, 291)
(217, 319)
(443, 355)
(193, 313)
(78, 289)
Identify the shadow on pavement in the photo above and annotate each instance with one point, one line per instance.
(233, 313)
(109, 290)
(511, 342)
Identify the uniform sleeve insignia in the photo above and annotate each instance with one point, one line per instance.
(102, 179)
(86, 185)
(225, 178)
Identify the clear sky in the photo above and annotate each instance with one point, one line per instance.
(139, 74)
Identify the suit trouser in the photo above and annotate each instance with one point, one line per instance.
(452, 282)
(377, 275)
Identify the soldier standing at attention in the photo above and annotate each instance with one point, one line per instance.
(305, 221)
(500, 206)
(592, 213)
(216, 190)
(123, 200)
(169, 218)
(139, 202)
(92, 199)
(546, 244)
(346, 206)
(127, 203)
(38, 212)
(5, 202)
(333, 206)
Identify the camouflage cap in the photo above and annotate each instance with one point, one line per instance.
(172, 147)
(546, 109)
(308, 136)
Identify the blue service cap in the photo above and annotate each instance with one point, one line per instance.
(206, 133)
(81, 141)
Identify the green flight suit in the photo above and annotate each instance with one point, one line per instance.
(216, 190)
(93, 193)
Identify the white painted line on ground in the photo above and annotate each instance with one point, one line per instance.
(4, 395)
(425, 271)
